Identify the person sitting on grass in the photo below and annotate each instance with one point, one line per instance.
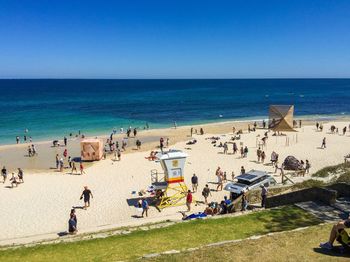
(336, 229)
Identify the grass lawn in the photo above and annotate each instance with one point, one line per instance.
(178, 236)
(292, 246)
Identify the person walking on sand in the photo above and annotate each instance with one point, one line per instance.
(323, 143)
(82, 169)
(145, 207)
(20, 175)
(205, 193)
(74, 168)
(70, 161)
(189, 200)
(220, 181)
(86, 195)
(4, 174)
(194, 181)
(57, 161)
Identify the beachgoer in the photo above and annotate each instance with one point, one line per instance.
(82, 168)
(263, 195)
(13, 180)
(65, 141)
(218, 174)
(323, 143)
(189, 200)
(201, 131)
(135, 132)
(119, 154)
(74, 168)
(344, 130)
(191, 131)
(244, 201)
(161, 144)
(72, 224)
(317, 125)
(57, 161)
(194, 181)
(242, 152)
(300, 123)
(245, 151)
(145, 207)
(242, 170)
(17, 139)
(4, 174)
(86, 195)
(138, 144)
(263, 156)
(225, 148)
(258, 153)
(65, 153)
(336, 229)
(34, 152)
(175, 124)
(20, 175)
(29, 151)
(70, 161)
(233, 175)
(307, 166)
(235, 148)
(205, 193)
(61, 164)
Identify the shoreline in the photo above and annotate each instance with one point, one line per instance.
(103, 135)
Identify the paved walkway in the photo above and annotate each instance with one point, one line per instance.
(340, 210)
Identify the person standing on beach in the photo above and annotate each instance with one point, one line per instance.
(225, 148)
(135, 132)
(65, 141)
(219, 176)
(235, 148)
(175, 124)
(20, 175)
(57, 161)
(263, 156)
(307, 166)
(70, 161)
(74, 168)
(82, 169)
(205, 193)
(4, 174)
(242, 170)
(145, 207)
(245, 151)
(194, 181)
(161, 144)
(191, 131)
(323, 143)
(189, 200)
(61, 164)
(86, 195)
(258, 153)
(17, 139)
(65, 153)
(300, 123)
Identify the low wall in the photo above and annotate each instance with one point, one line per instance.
(343, 189)
(325, 195)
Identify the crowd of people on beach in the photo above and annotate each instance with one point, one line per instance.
(15, 179)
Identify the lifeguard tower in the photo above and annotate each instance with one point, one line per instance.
(170, 189)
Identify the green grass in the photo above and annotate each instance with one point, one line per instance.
(325, 172)
(291, 246)
(308, 184)
(178, 236)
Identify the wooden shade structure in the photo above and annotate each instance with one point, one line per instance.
(91, 149)
(281, 118)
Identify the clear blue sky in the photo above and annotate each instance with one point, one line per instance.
(174, 39)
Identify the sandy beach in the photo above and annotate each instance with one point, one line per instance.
(42, 203)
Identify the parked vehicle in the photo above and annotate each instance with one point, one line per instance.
(248, 181)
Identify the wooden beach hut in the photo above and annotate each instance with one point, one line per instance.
(91, 149)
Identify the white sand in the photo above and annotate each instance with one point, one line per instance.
(42, 204)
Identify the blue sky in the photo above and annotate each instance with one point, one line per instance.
(174, 39)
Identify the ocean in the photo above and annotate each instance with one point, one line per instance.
(53, 108)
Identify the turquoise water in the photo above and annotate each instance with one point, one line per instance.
(53, 108)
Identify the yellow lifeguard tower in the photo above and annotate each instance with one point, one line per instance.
(170, 189)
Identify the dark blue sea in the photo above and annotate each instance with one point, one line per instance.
(54, 108)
